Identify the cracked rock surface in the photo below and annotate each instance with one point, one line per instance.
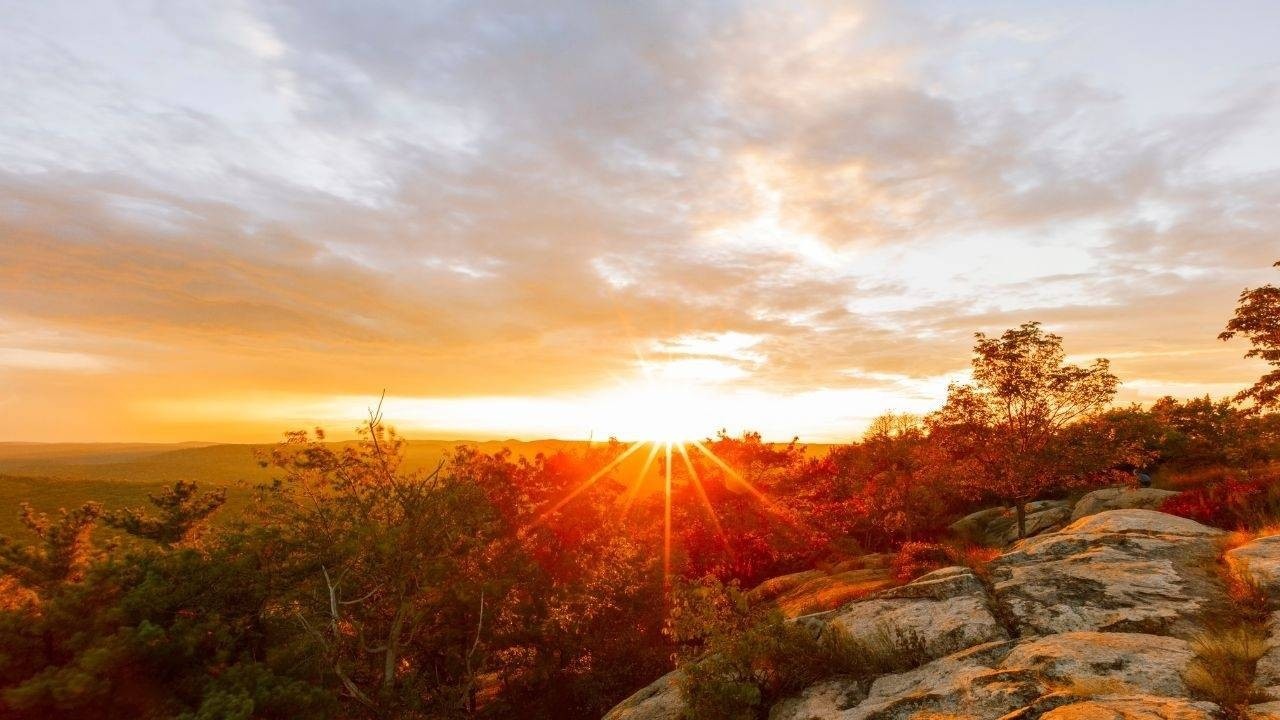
(1089, 622)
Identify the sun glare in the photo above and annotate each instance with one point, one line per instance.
(666, 423)
(663, 414)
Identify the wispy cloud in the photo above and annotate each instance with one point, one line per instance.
(486, 200)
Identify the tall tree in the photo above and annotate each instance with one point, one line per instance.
(395, 564)
(59, 556)
(1016, 431)
(180, 515)
(1258, 318)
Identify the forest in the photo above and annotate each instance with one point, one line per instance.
(496, 586)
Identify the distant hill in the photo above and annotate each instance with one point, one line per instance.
(62, 475)
(59, 475)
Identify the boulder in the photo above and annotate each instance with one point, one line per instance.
(968, 684)
(1094, 673)
(1266, 676)
(974, 525)
(1118, 571)
(826, 699)
(1259, 558)
(1265, 711)
(1038, 522)
(826, 592)
(999, 526)
(661, 700)
(1092, 663)
(827, 588)
(1134, 707)
(1120, 498)
(1086, 623)
(937, 614)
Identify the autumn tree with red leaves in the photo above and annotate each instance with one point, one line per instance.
(1018, 430)
(1258, 319)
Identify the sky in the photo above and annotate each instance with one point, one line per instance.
(224, 220)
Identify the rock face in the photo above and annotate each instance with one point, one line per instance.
(1119, 498)
(1120, 570)
(1087, 623)
(1265, 711)
(659, 701)
(814, 591)
(1135, 707)
(941, 612)
(1012, 679)
(1260, 559)
(999, 526)
(1266, 676)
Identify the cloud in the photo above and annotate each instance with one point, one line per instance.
(464, 200)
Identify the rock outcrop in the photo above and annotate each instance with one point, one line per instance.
(1090, 622)
(1120, 498)
(1260, 560)
(660, 700)
(942, 612)
(814, 591)
(999, 526)
(1134, 707)
(1120, 570)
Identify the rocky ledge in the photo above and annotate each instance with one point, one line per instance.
(1089, 622)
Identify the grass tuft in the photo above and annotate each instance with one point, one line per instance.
(1223, 668)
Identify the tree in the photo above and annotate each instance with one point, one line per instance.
(1017, 431)
(1258, 318)
(395, 568)
(182, 515)
(61, 554)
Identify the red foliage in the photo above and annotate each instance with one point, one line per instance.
(1231, 503)
(917, 558)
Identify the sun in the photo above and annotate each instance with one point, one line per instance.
(666, 423)
(663, 413)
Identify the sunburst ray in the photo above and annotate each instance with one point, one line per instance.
(764, 500)
(634, 490)
(706, 501)
(666, 521)
(589, 481)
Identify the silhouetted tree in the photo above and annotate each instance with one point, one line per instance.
(181, 515)
(1016, 431)
(1258, 318)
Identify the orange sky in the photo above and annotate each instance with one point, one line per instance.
(579, 220)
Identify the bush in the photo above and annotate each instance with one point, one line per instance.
(1231, 503)
(917, 558)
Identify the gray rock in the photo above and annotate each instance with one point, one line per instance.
(1119, 571)
(1265, 711)
(1101, 606)
(1261, 560)
(826, 699)
(1093, 663)
(1135, 707)
(661, 700)
(999, 526)
(1120, 498)
(968, 684)
(941, 612)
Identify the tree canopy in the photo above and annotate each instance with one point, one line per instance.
(1257, 317)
